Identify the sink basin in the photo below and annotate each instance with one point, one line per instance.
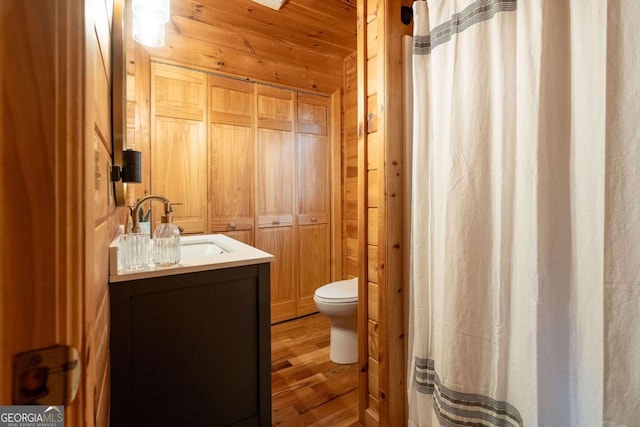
(200, 249)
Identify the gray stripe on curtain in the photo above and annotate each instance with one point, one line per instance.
(478, 11)
(496, 413)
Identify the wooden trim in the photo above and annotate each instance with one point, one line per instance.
(75, 238)
(394, 214)
(209, 118)
(380, 206)
(363, 387)
(295, 197)
(256, 161)
(335, 135)
(381, 125)
(391, 214)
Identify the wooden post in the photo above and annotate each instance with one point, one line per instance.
(380, 209)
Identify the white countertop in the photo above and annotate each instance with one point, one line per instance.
(232, 254)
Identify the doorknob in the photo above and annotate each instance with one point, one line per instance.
(47, 376)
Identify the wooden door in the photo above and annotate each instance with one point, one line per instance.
(275, 196)
(314, 187)
(178, 144)
(313, 260)
(231, 159)
(56, 157)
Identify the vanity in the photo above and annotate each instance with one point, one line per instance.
(190, 344)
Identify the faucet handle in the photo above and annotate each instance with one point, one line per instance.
(168, 207)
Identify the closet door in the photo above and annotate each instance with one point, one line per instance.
(231, 160)
(178, 144)
(275, 196)
(314, 187)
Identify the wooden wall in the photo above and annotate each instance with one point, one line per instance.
(350, 169)
(380, 207)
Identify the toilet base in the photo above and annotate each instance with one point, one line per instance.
(344, 346)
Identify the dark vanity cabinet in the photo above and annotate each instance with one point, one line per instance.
(192, 349)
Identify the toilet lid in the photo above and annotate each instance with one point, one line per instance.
(340, 291)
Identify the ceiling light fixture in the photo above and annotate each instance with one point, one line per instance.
(273, 4)
(149, 19)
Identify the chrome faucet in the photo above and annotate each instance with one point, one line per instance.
(134, 213)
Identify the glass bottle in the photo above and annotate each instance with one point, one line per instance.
(166, 243)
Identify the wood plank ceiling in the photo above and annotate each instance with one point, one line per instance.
(302, 45)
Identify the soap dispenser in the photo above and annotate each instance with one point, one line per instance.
(166, 240)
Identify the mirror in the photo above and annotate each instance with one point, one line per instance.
(118, 97)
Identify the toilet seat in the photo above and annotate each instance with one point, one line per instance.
(340, 292)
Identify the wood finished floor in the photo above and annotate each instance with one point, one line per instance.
(307, 388)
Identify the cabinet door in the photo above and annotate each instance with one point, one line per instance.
(313, 160)
(275, 178)
(244, 236)
(314, 186)
(178, 144)
(178, 92)
(179, 170)
(313, 179)
(198, 343)
(232, 148)
(275, 157)
(276, 197)
(313, 265)
(278, 241)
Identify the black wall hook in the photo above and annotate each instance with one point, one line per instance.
(406, 14)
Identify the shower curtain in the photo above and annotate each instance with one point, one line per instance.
(525, 224)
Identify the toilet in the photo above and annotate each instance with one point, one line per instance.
(339, 302)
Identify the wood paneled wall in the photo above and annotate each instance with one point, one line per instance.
(104, 217)
(350, 169)
(380, 207)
